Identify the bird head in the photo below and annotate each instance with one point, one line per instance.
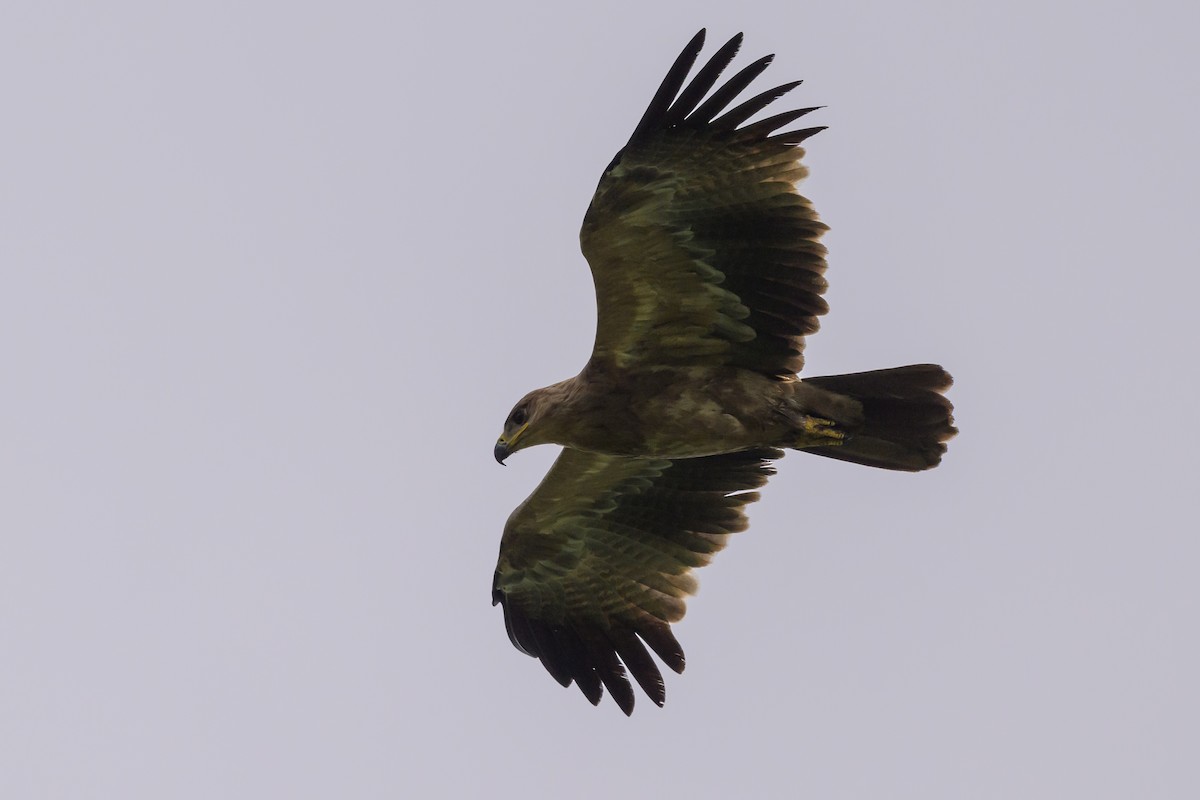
(519, 429)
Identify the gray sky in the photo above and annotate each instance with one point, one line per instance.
(272, 274)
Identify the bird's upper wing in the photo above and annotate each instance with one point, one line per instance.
(595, 564)
(701, 250)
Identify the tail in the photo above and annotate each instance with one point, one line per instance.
(906, 418)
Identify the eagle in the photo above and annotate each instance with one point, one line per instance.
(709, 274)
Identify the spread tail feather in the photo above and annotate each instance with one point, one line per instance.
(906, 417)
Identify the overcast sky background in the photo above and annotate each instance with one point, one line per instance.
(272, 275)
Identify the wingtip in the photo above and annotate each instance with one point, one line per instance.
(797, 137)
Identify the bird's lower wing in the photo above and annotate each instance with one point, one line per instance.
(596, 563)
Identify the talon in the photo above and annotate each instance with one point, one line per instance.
(818, 431)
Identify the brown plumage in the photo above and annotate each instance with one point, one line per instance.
(709, 274)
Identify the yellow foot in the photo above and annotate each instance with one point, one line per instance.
(818, 432)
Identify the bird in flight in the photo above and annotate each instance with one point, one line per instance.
(709, 273)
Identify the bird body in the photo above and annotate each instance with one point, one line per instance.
(683, 412)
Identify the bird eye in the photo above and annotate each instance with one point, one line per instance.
(519, 416)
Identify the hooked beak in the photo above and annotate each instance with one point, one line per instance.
(505, 447)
